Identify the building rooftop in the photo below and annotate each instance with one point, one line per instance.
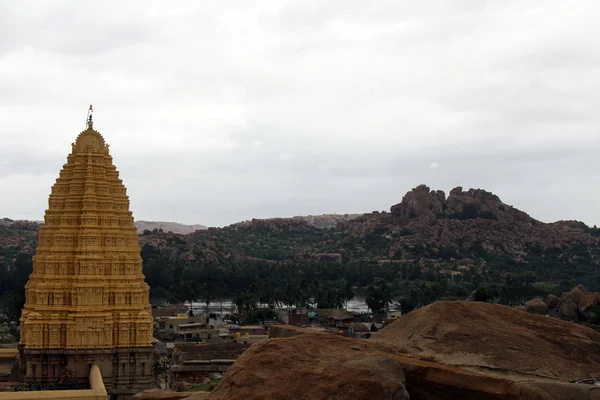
(246, 327)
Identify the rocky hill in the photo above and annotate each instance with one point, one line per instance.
(472, 224)
(428, 246)
(167, 227)
(18, 236)
(467, 226)
(466, 219)
(317, 221)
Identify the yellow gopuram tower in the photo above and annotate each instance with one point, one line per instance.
(86, 300)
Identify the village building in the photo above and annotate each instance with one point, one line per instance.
(170, 323)
(393, 314)
(248, 331)
(169, 311)
(193, 363)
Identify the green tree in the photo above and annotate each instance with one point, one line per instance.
(207, 294)
(528, 277)
(378, 295)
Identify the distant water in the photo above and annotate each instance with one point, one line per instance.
(356, 305)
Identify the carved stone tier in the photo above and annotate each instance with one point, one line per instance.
(87, 290)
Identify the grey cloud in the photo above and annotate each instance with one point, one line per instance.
(72, 28)
(218, 112)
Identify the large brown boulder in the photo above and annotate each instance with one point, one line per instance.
(587, 305)
(567, 308)
(495, 339)
(581, 288)
(552, 301)
(478, 201)
(577, 304)
(536, 306)
(313, 366)
(575, 295)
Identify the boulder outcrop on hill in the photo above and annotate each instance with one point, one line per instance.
(420, 202)
(167, 227)
(425, 203)
(467, 217)
(448, 350)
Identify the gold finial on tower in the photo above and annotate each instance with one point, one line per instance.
(90, 123)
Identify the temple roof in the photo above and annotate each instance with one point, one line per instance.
(88, 141)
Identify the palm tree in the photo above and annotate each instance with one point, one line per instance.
(240, 301)
(379, 295)
(289, 295)
(348, 294)
(301, 295)
(316, 292)
(246, 302)
(208, 291)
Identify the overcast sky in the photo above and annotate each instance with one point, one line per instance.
(221, 111)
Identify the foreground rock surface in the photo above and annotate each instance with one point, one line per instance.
(495, 339)
(313, 366)
(443, 351)
(159, 394)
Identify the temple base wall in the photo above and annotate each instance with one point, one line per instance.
(124, 371)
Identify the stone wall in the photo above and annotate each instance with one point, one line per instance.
(96, 391)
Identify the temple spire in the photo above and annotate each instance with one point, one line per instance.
(86, 301)
(90, 123)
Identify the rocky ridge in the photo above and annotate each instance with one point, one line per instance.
(468, 217)
(167, 227)
(470, 236)
(317, 221)
(424, 216)
(21, 235)
(465, 220)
